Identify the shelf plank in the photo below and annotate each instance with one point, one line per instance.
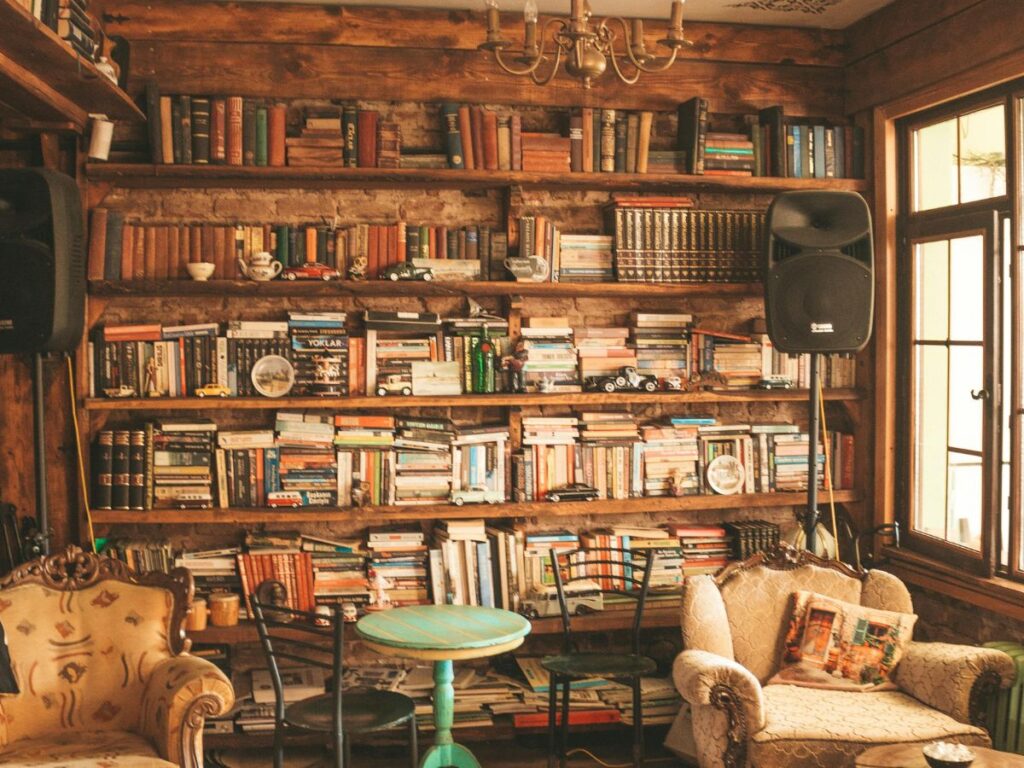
(509, 400)
(144, 175)
(33, 46)
(379, 515)
(604, 621)
(286, 288)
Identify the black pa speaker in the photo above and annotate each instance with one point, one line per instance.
(42, 275)
(819, 286)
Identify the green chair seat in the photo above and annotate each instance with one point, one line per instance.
(362, 712)
(612, 665)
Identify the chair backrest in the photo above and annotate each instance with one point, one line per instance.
(84, 634)
(305, 639)
(757, 597)
(622, 572)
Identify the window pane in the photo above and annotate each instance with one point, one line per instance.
(931, 367)
(964, 498)
(966, 273)
(965, 413)
(932, 269)
(935, 166)
(982, 154)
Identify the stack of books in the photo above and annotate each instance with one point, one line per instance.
(466, 575)
(546, 152)
(278, 556)
(319, 353)
(538, 236)
(548, 459)
(141, 555)
(365, 459)
(73, 24)
(408, 337)
(610, 453)
(671, 457)
(537, 548)
(451, 253)
(247, 341)
(550, 356)
(735, 358)
(610, 140)
(662, 343)
(659, 700)
(398, 566)
(215, 571)
(479, 368)
(728, 154)
(480, 139)
(752, 536)
(706, 548)
(585, 259)
(319, 143)
(389, 144)
(308, 463)
(602, 351)
(790, 453)
(181, 469)
(339, 570)
(423, 460)
(247, 467)
(479, 458)
(664, 556)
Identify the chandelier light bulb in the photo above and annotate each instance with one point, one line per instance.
(491, 4)
(530, 12)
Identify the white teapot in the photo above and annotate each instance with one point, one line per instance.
(261, 267)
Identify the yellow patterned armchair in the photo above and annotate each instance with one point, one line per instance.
(733, 628)
(100, 657)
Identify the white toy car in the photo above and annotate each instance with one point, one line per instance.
(581, 597)
(476, 494)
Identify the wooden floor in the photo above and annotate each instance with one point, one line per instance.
(501, 754)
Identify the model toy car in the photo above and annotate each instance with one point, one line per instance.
(393, 385)
(775, 382)
(194, 501)
(122, 391)
(628, 378)
(580, 597)
(406, 271)
(284, 499)
(213, 390)
(673, 383)
(573, 492)
(476, 494)
(311, 271)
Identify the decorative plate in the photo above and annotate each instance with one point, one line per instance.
(726, 475)
(273, 376)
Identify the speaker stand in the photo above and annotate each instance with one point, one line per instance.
(39, 430)
(811, 518)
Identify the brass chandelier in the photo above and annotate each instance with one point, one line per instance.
(587, 46)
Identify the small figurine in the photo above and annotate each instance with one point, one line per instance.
(360, 493)
(675, 488)
(406, 271)
(379, 600)
(628, 378)
(547, 384)
(357, 270)
(349, 614)
(323, 616)
(152, 390)
(311, 270)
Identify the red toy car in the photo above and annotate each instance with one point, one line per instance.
(312, 271)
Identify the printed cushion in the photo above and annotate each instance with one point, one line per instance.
(87, 749)
(831, 643)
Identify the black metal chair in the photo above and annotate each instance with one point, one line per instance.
(633, 571)
(298, 637)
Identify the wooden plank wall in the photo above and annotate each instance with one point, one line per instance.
(312, 51)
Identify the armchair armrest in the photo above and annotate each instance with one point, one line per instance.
(705, 679)
(954, 679)
(181, 693)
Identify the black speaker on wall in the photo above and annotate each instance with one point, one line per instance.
(42, 272)
(819, 272)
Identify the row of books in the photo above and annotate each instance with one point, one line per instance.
(122, 248)
(617, 141)
(667, 240)
(343, 461)
(770, 145)
(72, 21)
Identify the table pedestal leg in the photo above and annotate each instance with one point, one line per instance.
(445, 753)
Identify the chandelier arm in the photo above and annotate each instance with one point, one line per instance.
(529, 70)
(554, 69)
(607, 36)
(641, 67)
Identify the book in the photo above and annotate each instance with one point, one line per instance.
(453, 135)
(691, 132)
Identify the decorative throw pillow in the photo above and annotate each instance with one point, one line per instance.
(834, 644)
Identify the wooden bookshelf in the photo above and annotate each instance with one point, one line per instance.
(416, 288)
(500, 400)
(206, 176)
(379, 515)
(660, 615)
(45, 82)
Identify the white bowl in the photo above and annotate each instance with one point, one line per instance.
(200, 270)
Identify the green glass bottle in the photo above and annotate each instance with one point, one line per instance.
(482, 363)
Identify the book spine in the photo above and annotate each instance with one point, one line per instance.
(102, 470)
(260, 150)
(218, 131)
(248, 132)
(350, 132)
(277, 118)
(120, 470)
(153, 123)
(200, 130)
(233, 136)
(185, 106)
(367, 138)
(453, 137)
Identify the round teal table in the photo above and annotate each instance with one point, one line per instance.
(443, 634)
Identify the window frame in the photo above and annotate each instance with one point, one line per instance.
(948, 222)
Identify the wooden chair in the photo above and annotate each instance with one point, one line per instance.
(302, 640)
(571, 664)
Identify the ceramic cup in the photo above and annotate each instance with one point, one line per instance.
(197, 619)
(200, 271)
(224, 610)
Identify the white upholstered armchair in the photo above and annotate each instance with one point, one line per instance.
(733, 628)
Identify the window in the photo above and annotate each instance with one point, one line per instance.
(957, 333)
